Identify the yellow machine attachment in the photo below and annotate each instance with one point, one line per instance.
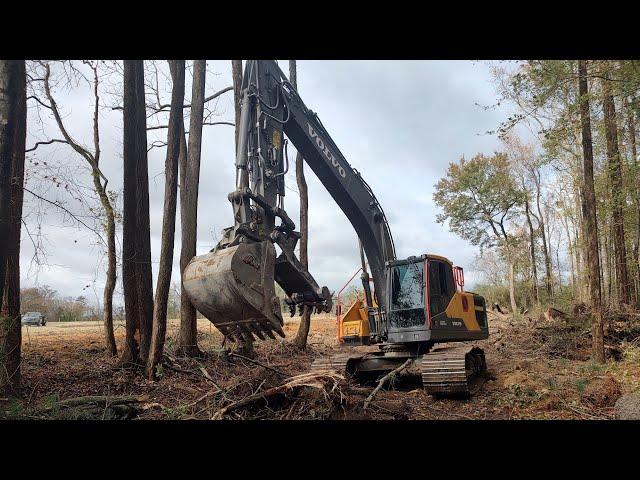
(353, 326)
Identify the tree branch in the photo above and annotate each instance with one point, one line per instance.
(68, 212)
(160, 127)
(48, 142)
(75, 145)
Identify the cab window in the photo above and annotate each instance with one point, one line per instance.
(407, 296)
(441, 286)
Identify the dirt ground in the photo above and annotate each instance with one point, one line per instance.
(537, 369)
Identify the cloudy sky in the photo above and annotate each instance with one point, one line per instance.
(400, 123)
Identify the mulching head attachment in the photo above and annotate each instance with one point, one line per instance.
(234, 288)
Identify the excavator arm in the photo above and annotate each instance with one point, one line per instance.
(233, 284)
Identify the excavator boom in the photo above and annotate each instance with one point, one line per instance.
(233, 284)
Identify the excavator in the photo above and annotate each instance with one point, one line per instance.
(417, 310)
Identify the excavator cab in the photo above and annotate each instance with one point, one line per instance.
(427, 303)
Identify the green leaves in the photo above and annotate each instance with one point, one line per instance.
(479, 197)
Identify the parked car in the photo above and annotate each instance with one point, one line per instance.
(33, 318)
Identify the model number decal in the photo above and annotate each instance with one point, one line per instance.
(322, 146)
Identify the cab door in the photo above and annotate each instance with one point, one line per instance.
(440, 287)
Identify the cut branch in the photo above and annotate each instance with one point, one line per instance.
(384, 380)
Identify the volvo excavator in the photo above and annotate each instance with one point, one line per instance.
(417, 309)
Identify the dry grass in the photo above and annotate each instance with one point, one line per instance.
(538, 369)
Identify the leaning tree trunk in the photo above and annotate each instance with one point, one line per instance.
(189, 183)
(590, 218)
(110, 285)
(174, 134)
(305, 320)
(10, 326)
(617, 194)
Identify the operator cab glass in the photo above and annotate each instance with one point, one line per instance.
(441, 286)
(407, 296)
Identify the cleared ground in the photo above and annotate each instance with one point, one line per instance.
(537, 369)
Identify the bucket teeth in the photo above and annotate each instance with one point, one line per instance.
(257, 331)
(269, 333)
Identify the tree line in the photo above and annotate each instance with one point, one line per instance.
(556, 210)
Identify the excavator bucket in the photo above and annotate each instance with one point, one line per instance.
(234, 288)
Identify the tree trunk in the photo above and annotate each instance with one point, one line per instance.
(110, 286)
(110, 281)
(136, 249)
(10, 324)
(143, 225)
(9, 87)
(580, 243)
(174, 133)
(545, 249)
(631, 127)
(591, 225)
(572, 263)
(617, 194)
(305, 320)
(532, 252)
(189, 185)
(512, 287)
(132, 320)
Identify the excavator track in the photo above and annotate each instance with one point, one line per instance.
(337, 363)
(453, 371)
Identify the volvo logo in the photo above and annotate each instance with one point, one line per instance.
(321, 145)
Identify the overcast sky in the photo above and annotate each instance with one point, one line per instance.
(400, 123)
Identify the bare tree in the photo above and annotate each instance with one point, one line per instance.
(174, 134)
(189, 183)
(589, 214)
(13, 123)
(305, 320)
(136, 247)
(100, 181)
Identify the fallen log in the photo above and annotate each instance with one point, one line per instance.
(107, 400)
